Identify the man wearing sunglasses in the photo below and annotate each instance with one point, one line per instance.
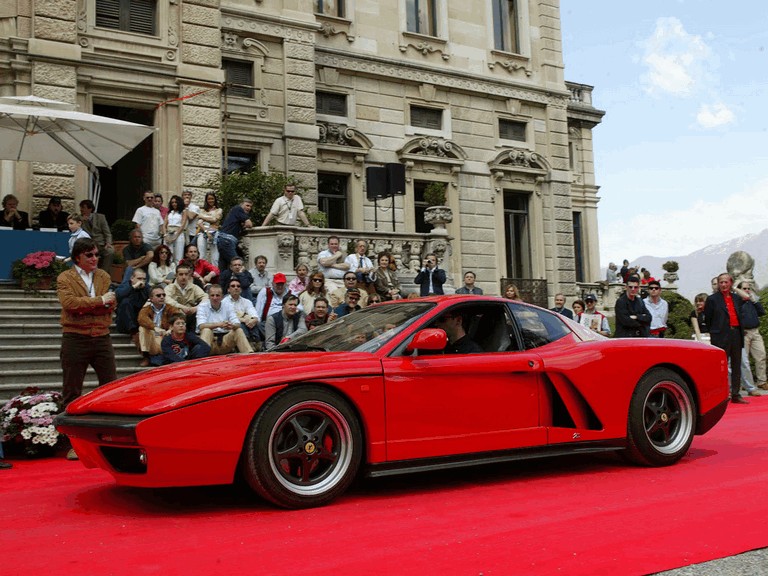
(86, 314)
(632, 317)
(658, 308)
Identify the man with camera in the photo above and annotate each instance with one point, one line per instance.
(430, 278)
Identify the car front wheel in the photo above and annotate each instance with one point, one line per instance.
(303, 448)
(662, 419)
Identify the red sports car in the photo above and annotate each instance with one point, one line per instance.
(384, 391)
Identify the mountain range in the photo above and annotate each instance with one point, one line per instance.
(698, 268)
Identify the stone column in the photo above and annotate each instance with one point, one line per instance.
(301, 132)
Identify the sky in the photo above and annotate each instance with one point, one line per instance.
(681, 156)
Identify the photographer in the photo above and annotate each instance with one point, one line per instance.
(431, 278)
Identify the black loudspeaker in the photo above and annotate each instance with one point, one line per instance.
(395, 179)
(375, 182)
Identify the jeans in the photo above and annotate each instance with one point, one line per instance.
(227, 245)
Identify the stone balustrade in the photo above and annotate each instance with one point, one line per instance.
(288, 246)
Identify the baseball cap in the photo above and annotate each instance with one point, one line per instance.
(55, 200)
(353, 291)
(278, 278)
(589, 297)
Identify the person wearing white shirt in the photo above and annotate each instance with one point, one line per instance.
(192, 211)
(219, 326)
(658, 308)
(332, 262)
(148, 219)
(245, 310)
(359, 263)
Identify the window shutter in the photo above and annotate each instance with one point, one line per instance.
(430, 118)
(240, 74)
(511, 130)
(331, 104)
(142, 16)
(108, 14)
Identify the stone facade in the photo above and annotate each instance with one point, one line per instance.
(385, 73)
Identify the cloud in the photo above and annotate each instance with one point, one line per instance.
(677, 62)
(680, 232)
(715, 115)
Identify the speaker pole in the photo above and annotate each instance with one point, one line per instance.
(393, 213)
(375, 214)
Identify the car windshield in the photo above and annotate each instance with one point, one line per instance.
(366, 330)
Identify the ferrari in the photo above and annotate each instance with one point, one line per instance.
(402, 386)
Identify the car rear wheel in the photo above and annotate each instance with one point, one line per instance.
(662, 419)
(303, 448)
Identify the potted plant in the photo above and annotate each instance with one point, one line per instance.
(26, 422)
(670, 271)
(434, 194)
(38, 271)
(437, 213)
(118, 267)
(121, 231)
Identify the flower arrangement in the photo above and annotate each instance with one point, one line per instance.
(38, 269)
(26, 422)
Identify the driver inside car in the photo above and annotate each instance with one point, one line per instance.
(458, 340)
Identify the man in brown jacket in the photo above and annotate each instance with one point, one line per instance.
(86, 314)
(154, 324)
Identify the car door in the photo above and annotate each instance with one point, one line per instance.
(451, 404)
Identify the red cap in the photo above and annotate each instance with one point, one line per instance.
(278, 278)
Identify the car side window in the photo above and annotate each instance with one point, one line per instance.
(537, 327)
(484, 328)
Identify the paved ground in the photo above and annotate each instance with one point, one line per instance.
(753, 563)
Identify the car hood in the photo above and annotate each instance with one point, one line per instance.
(185, 383)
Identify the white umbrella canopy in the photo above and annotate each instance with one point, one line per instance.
(40, 130)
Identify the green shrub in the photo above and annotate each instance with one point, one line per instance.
(121, 229)
(263, 188)
(434, 194)
(679, 320)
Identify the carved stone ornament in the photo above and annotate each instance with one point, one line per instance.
(438, 216)
(434, 147)
(336, 134)
(285, 246)
(522, 159)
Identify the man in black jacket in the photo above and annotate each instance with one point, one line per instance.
(723, 311)
(430, 278)
(632, 317)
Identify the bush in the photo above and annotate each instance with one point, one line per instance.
(261, 187)
(679, 320)
(121, 230)
(434, 194)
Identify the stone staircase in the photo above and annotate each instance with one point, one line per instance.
(30, 340)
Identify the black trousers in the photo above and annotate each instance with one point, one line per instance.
(733, 348)
(77, 353)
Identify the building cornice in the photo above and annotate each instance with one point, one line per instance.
(455, 80)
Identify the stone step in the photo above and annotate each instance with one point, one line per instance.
(17, 304)
(50, 360)
(23, 316)
(13, 348)
(51, 380)
(39, 328)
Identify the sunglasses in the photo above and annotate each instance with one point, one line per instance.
(91, 254)
(654, 288)
(317, 279)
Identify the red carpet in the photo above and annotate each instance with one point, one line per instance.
(560, 516)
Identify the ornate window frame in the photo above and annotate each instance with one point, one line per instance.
(164, 46)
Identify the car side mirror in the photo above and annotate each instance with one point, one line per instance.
(428, 339)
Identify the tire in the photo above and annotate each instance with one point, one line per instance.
(303, 448)
(662, 419)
